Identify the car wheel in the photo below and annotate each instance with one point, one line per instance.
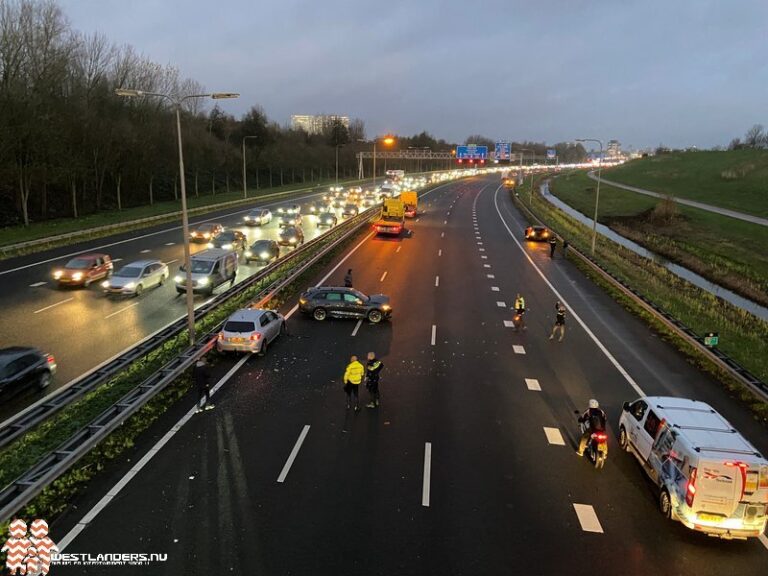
(623, 439)
(263, 349)
(665, 504)
(44, 380)
(319, 314)
(375, 316)
(139, 290)
(162, 280)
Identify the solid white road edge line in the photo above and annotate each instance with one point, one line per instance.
(588, 518)
(52, 306)
(427, 473)
(117, 488)
(357, 327)
(434, 334)
(293, 454)
(573, 313)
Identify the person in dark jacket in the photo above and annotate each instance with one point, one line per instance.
(552, 246)
(201, 381)
(373, 369)
(348, 279)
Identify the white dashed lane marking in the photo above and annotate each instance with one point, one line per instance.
(509, 324)
(437, 281)
(146, 251)
(293, 454)
(484, 257)
(440, 252)
(491, 276)
(427, 473)
(434, 334)
(486, 265)
(501, 304)
(357, 327)
(495, 289)
(481, 249)
(383, 276)
(445, 221)
(37, 284)
(517, 349)
(554, 436)
(442, 234)
(170, 243)
(52, 306)
(398, 249)
(588, 518)
(533, 384)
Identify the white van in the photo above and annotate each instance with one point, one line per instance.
(210, 268)
(709, 476)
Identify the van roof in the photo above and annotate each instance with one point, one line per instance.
(211, 254)
(704, 428)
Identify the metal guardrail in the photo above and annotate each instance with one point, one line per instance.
(720, 358)
(20, 492)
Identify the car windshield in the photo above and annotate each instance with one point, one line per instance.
(199, 267)
(262, 245)
(79, 263)
(226, 236)
(205, 228)
(239, 326)
(129, 272)
(290, 231)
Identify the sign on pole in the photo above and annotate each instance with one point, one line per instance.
(503, 151)
(471, 152)
(551, 154)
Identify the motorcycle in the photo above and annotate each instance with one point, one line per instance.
(597, 444)
(518, 321)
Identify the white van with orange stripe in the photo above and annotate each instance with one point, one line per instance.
(710, 477)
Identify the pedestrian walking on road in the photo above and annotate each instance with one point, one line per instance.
(559, 322)
(201, 381)
(373, 369)
(353, 376)
(552, 246)
(348, 279)
(565, 247)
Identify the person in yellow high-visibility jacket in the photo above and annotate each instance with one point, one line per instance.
(353, 376)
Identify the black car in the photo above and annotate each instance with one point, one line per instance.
(350, 210)
(328, 219)
(291, 236)
(537, 234)
(344, 303)
(230, 240)
(22, 367)
(263, 252)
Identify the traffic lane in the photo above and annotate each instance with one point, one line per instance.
(629, 490)
(656, 366)
(325, 340)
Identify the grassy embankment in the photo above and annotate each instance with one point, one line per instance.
(727, 251)
(735, 179)
(741, 336)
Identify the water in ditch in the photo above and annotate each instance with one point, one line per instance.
(695, 279)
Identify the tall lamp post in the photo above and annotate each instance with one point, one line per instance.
(597, 193)
(245, 184)
(176, 103)
(387, 141)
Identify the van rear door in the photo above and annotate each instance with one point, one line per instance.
(719, 488)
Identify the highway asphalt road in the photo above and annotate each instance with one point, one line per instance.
(82, 327)
(468, 467)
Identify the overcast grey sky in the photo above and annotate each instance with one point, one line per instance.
(678, 72)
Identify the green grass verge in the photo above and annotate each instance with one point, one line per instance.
(734, 179)
(742, 336)
(726, 251)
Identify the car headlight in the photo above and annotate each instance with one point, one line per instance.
(386, 307)
(77, 276)
(58, 274)
(292, 240)
(130, 286)
(177, 279)
(202, 282)
(264, 255)
(247, 218)
(227, 246)
(105, 284)
(209, 245)
(248, 253)
(206, 235)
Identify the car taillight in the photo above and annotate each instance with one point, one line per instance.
(255, 337)
(50, 359)
(690, 490)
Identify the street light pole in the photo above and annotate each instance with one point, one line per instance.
(245, 185)
(597, 192)
(337, 165)
(176, 103)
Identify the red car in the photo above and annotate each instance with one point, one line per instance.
(84, 269)
(206, 232)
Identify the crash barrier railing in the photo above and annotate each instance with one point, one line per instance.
(20, 492)
(720, 358)
(14, 249)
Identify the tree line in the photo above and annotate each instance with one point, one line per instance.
(69, 146)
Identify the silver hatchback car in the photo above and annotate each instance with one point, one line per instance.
(132, 279)
(250, 330)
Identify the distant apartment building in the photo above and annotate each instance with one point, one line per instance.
(614, 149)
(316, 124)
